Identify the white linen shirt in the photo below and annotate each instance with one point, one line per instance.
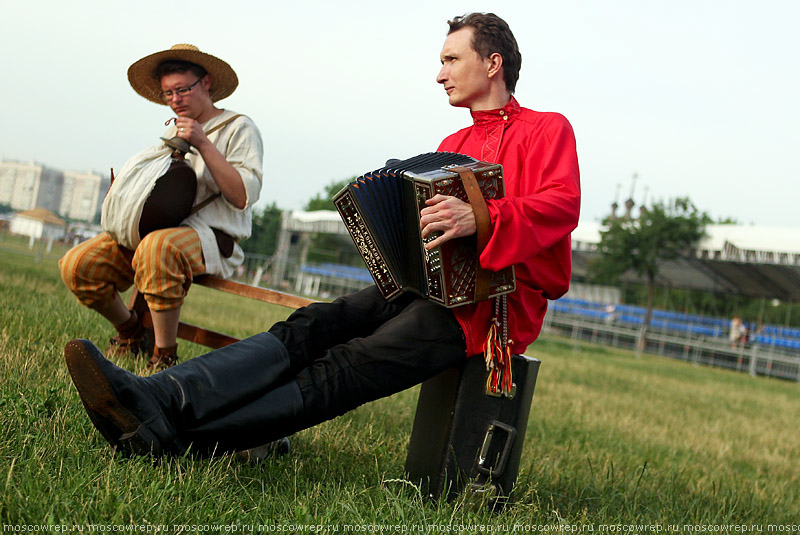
(240, 143)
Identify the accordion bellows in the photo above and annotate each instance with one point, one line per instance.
(381, 210)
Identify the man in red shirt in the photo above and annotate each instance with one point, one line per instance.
(530, 227)
(329, 358)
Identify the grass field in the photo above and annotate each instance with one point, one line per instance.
(612, 440)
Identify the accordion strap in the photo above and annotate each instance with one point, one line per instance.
(483, 227)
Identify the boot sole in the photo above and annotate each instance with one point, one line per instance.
(121, 428)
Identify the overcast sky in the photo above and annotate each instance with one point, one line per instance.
(699, 98)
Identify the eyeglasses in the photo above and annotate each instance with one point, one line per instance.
(166, 96)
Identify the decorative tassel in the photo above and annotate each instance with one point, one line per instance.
(497, 351)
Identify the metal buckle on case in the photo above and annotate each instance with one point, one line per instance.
(510, 395)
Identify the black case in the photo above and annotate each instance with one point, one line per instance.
(466, 439)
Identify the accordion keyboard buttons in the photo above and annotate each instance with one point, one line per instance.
(433, 258)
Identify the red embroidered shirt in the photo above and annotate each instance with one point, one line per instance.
(531, 226)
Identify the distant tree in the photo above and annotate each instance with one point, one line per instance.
(664, 231)
(264, 236)
(324, 200)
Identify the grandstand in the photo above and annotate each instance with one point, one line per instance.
(756, 262)
(329, 280)
(676, 323)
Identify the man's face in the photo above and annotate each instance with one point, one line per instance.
(192, 104)
(464, 73)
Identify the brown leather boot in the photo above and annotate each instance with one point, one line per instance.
(163, 358)
(132, 339)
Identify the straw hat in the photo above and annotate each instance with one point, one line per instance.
(143, 78)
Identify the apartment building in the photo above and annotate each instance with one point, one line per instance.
(74, 195)
(28, 185)
(81, 195)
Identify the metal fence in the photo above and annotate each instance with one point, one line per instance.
(755, 359)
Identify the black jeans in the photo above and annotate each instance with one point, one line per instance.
(360, 348)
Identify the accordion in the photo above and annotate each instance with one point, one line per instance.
(381, 211)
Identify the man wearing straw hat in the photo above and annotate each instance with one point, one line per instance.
(227, 163)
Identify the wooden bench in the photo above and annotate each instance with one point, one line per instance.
(207, 337)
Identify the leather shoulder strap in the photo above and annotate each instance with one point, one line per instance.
(208, 200)
(478, 204)
(223, 123)
(483, 227)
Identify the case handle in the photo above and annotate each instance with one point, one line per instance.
(511, 434)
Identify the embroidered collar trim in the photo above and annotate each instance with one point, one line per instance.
(483, 117)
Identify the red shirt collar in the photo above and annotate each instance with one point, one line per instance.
(485, 117)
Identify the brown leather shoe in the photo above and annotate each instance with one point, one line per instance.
(163, 358)
(132, 339)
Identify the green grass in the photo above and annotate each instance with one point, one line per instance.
(612, 439)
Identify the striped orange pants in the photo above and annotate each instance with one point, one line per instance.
(162, 267)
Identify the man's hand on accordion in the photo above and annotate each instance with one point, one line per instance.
(450, 216)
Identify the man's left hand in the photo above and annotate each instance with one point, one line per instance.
(449, 215)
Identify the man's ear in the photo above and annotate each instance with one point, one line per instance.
(495, 65)
(206, 82)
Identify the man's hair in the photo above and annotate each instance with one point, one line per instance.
(492, 34)
(172, 66)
